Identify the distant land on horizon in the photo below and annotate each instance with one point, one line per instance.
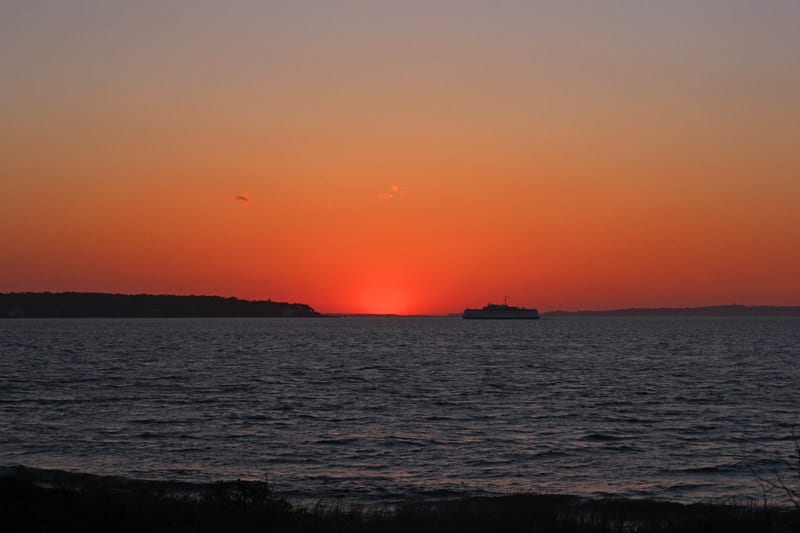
(111, 305)
(731, 310)
(105, 305)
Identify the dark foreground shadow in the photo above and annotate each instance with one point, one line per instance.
(68, 502)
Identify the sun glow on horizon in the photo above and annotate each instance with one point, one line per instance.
(384, 300)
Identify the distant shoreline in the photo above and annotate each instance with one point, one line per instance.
(105, 305)
(112, 305)
(705, 311)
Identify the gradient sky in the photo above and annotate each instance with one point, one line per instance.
(408, 157)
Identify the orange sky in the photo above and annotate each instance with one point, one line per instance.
(406, 159)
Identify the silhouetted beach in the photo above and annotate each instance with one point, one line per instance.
(38, 500)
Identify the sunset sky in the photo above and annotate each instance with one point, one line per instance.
(403, 157)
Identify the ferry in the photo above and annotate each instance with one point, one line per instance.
(501, 311)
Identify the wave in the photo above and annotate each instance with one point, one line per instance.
(718, 468)
(602, 437)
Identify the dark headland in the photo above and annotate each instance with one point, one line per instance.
(102, 305)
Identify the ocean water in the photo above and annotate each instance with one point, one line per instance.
(382, 409)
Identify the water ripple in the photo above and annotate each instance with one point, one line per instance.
(381, 408)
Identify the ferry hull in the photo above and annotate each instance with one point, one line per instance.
(478, 314)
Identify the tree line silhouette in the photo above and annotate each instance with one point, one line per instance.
(102, 305)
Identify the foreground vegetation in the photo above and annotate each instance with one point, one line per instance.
(86, 503)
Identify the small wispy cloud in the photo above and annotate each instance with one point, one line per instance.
(395, 191)
(241, 198)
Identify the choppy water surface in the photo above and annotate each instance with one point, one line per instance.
(376, 409)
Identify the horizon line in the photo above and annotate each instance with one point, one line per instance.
(443, 314)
